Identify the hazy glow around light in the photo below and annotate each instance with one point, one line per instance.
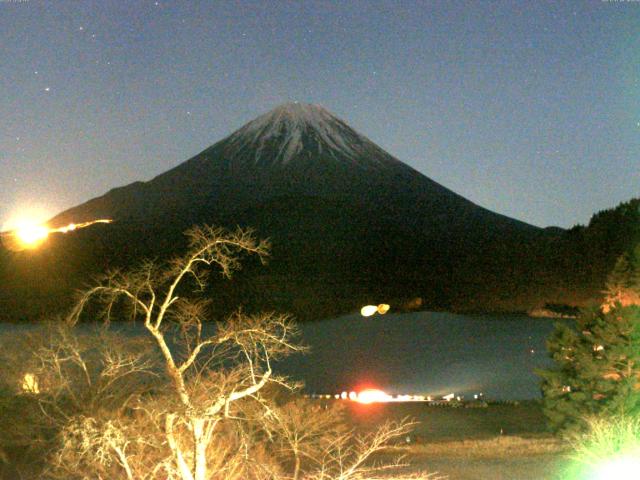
(368, 310)
(383, 308)
(373, 396)
(31, 235)
(25, 228)
(28, 232)
(619, 468)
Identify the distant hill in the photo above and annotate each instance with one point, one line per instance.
(585, 255)
(349, 224)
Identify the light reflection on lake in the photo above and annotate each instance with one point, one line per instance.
(417, 353)
(426, 353)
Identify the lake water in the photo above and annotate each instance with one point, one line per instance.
(426, 353)
(420, 353)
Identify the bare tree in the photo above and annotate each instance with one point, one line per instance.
(301, 429)
(55, 375)
(208, 373)
(321, 446)
(191, 400)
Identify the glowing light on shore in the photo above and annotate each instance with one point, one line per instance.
(372, 395)
(369, 310)
(383, 308)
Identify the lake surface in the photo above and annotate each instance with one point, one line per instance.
(419, 353)
(425, 353)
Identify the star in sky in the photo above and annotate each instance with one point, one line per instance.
(501, 104)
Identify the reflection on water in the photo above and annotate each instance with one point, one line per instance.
(425, 353)
(417, 353)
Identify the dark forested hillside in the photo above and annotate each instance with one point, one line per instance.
(585, 255)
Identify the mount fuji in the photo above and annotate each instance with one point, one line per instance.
(294, 150)
(349, 223)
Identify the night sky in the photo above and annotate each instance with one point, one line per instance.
(531, 109)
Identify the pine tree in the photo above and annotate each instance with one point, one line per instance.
(597, 359)
(623, 284)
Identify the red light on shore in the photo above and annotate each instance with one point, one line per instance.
(373, 395)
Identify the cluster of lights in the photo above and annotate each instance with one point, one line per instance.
(372, 395)
(369, 310)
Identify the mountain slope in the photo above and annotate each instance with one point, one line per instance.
(295, 149)
(349, 223)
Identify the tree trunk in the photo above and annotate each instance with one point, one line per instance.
(183, 468)
(296, 471)
(200, 449)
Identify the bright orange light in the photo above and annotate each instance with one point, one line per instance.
(372, 395)
(30, 235)
(26, 233)
(383, 308)
(75, 226)
(25, 229)
(69, 228)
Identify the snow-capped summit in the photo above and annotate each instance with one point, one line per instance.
(291, 129)
(293, 115)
